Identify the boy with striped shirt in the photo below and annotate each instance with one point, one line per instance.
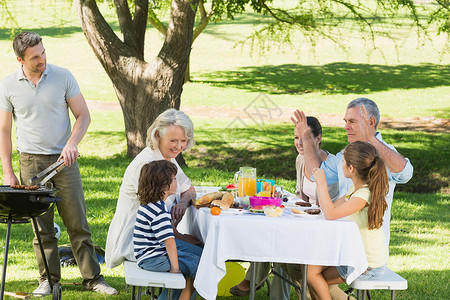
(155, 246)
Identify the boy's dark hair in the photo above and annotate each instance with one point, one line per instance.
(154, 180)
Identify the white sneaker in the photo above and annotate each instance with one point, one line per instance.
(103, 288)
(43, 288)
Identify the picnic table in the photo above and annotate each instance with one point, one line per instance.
(299, 239)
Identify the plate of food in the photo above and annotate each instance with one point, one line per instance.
(308, 213)
(256, 210)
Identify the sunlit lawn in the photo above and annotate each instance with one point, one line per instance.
(412, 82)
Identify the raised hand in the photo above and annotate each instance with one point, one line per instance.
(300, 123)
(367, 125)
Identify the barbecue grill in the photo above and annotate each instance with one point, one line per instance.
(18, 206)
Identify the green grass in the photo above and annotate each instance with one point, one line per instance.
(408, 81)
(420, 222)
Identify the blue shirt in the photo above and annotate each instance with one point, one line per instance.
(153, 226)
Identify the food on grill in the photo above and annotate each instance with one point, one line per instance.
(24, 187)
(298, 211)
(208, 198)
(313, 211)
(32, 187)
(18, 186)
(303, 203)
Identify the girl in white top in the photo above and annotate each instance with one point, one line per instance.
(364, 203)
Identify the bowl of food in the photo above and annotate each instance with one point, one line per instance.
(273, 210)
(257, 201)
(244, 202)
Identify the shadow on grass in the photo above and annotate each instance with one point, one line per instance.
(55, 31)
(5, 33)
(334, 78)
(417, 220)
(422, 284)
(71, 289)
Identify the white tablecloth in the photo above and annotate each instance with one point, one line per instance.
(290, 239)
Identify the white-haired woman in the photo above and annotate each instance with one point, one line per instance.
(170, 134)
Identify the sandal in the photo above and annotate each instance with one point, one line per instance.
(238, 292)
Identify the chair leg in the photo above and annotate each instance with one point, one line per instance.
(169, 293)
(139, 293)
(364, 295)
(133, 291)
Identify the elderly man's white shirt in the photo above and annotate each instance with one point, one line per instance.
(119, 244)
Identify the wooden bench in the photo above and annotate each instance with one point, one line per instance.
(137, 277)
(390, 281)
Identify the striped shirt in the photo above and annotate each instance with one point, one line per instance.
(152, 228)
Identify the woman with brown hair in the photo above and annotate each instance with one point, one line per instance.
(364, 203)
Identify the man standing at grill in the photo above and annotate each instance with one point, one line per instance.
(37, 96)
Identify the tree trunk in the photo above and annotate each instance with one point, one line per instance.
(144, 89)
(187, 73)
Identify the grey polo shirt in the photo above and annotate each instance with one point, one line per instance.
(40, 113)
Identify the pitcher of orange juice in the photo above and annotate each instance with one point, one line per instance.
(245, 179)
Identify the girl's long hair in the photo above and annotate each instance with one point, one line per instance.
(154, 180)
(372, 170)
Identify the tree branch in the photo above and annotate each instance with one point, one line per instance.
(140, 23)
(180, 31)
(155, 22)
(127, 27)
(205, 17)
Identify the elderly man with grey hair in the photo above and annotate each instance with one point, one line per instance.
(170, 134)
(361, 120)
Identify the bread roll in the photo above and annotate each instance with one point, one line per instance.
(209, 197)
(228, 198)
(220, 203)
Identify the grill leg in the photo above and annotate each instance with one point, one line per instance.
(5, 260)
(41, 247)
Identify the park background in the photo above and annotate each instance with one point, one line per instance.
(407, 76)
